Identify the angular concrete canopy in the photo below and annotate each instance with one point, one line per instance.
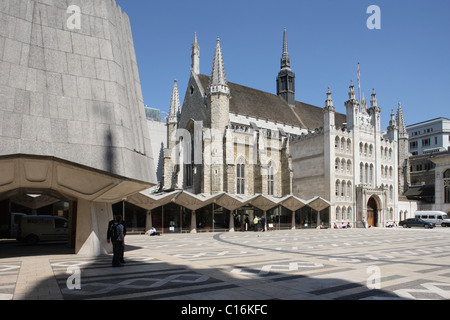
(318, 203)
(264, 202)
(193, 201)
(292, 203)
(231, 201)
(22, 175)
(147, 200)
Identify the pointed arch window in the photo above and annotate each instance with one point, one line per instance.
(240, 177)
(270, 180)
(338, 185)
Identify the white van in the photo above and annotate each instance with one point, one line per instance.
(436, 217)
(33, 229)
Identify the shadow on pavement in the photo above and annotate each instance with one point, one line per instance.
(146, 278)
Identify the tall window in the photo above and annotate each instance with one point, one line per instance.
(371, 175)
(361, 173)
(447, 186)
(240, 178)
(270, 180)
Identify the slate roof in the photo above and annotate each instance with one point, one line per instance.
(264, 105)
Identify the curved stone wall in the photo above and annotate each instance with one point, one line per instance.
(72, 92)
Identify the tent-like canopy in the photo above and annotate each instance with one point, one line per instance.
(148, 200)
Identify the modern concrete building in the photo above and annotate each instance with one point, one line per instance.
(442, 182)
(429, 144)
(429, 136)
(72, 121)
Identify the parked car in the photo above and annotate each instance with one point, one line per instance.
(33, 229)
(414, 222)
(436, 217)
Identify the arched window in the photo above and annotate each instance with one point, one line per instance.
(270, 180)
(371, 175)
(366, 174)
(361, 173)
(240, 177)
(349, 146)
(337, 143)
(344, 213)
(349, 213)
(338, 213)
(343, 188)
(338, 185)
(349, 166)
(349, 190)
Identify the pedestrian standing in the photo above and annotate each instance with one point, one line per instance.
(118, 241)
(255, 223)
(108, 234)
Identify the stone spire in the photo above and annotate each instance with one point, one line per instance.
(392, 122)
(175, 106)
(218, 81)
(329, 101)
(195, 56)
(374, 101)
(363, 104)
(329, 112)
(285, 59)
(286, 78)
(402, 133)
(352, 94)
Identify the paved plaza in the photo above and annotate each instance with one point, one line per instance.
(347, 264)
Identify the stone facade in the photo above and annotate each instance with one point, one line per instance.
(73, 93)
(355, 166)
(249, 142)
(63, 87)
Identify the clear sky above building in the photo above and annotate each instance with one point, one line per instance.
(407, 60)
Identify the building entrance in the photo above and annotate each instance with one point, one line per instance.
(372, 212)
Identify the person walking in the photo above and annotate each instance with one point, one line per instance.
(118, 240)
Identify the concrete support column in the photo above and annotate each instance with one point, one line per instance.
(318, 218)
(263, 226)
(193, 222)
(231, 222)
(148, 220)
(293, 220)
(92, 225)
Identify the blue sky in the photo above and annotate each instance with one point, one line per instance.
(406, 60)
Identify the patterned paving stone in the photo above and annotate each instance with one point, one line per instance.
(355, 264)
